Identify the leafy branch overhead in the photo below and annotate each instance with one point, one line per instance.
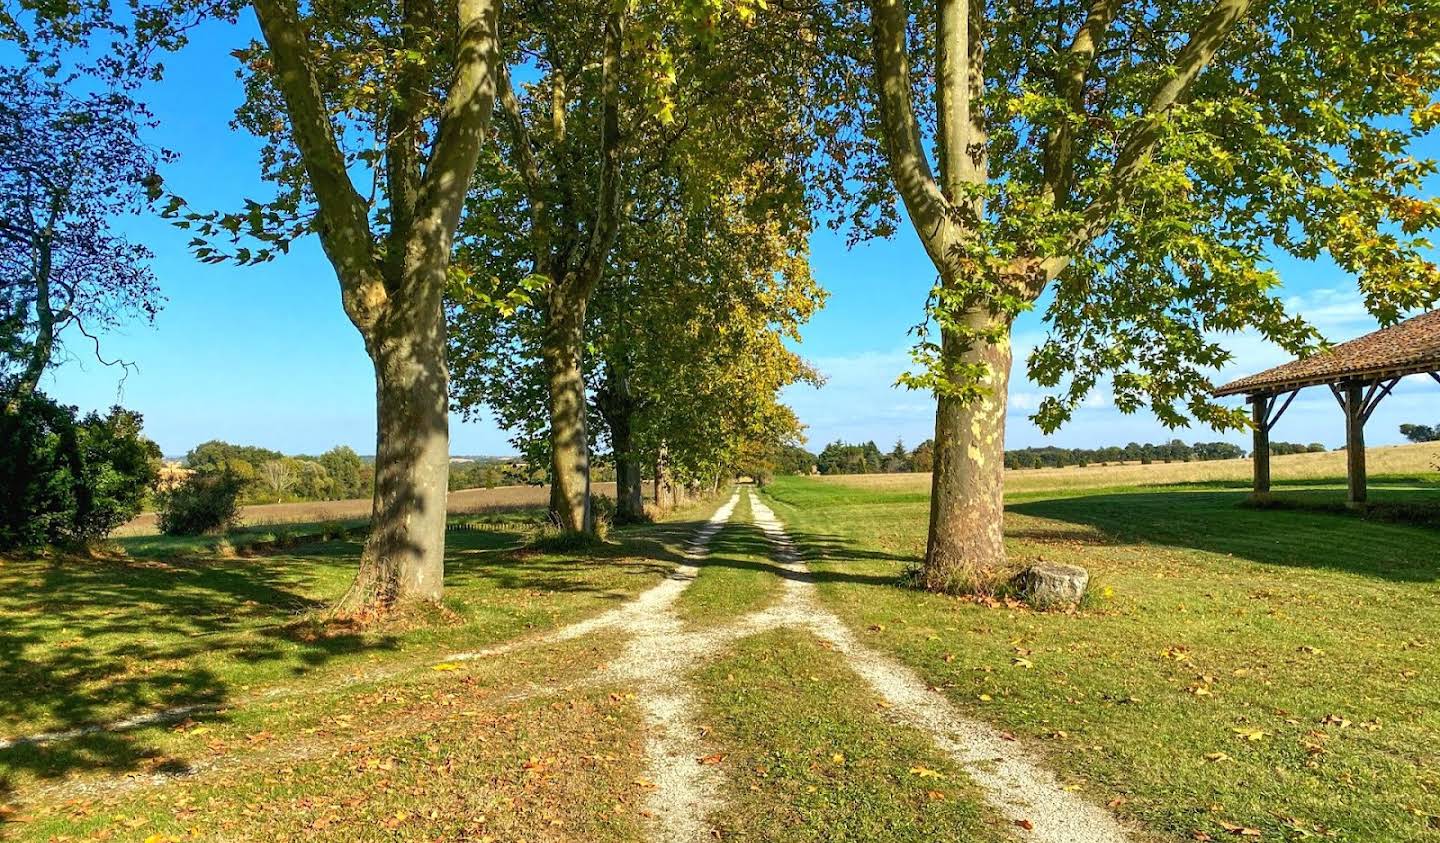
(1134, 169)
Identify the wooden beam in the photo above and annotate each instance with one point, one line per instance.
(1272, 418)
(1374, 398)
(1354, 403)
(1261, 456)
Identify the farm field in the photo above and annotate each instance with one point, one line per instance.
(461, 502)
(1394, 461)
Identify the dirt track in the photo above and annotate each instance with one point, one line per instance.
(462, 501)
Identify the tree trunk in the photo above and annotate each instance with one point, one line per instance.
(629, 492)
(44, 347)
(662, 480)
(404, 556)
(617, 405)
(966, 546)
(569, 447)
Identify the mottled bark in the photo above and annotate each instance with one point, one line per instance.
(966, 546)
(563, 351)
(404, 555)
(391, 287)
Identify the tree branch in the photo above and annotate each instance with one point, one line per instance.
(344, 223)
(464, 120)
(1135, 152)
(523, 152)
(402, 128)
(607, 204)
(928, 208)
(1070, 85)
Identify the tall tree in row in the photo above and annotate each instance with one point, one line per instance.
(402, 97)
(601, 126)
(694, 321)
(1134, 163)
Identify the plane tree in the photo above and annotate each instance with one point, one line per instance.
(606, 115)
(1132, 168)
(372, 119)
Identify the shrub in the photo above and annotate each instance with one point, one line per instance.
(65, 481)
(206, 502)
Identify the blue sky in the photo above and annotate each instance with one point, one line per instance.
(264, 355)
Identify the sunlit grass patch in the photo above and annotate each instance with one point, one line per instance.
(1235, 669)
(811, 755)
(737, 575)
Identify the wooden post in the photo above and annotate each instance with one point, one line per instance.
(1260, 417)
(1355, 442)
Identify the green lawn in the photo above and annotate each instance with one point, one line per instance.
(810, 756)
(1274, 671)
(1240, 670)
(89, 641)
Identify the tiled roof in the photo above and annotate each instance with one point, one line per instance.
(1409, 347)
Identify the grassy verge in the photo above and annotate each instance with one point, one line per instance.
(736, 578)
(468, 754)
(1265, 671)
(812, 758)
(88, 641)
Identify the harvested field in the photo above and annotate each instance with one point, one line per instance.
(1389, 460)
(462, 502)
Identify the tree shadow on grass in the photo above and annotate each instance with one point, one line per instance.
(1216, 522)
(88, 642)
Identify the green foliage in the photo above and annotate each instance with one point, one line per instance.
(1420, 432)
(1136, 187)
(69, 481)
(487, 473)
(205, 502)
(793, 459)
(842, 458)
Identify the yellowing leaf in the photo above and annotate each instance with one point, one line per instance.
(926, 773)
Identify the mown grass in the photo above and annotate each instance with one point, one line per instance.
(737, 576)
(1272, 671)
(812, 757)
(93, 640)
(468, 754)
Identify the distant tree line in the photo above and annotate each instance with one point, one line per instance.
(1420, 432)
(867, 458)
(489, 472)
(267, 476)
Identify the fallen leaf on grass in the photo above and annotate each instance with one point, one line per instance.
(714, 758)
(1250, 734)
(926, 773)
(446, 666)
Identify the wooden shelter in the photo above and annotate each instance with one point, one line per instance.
(1360, 373)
